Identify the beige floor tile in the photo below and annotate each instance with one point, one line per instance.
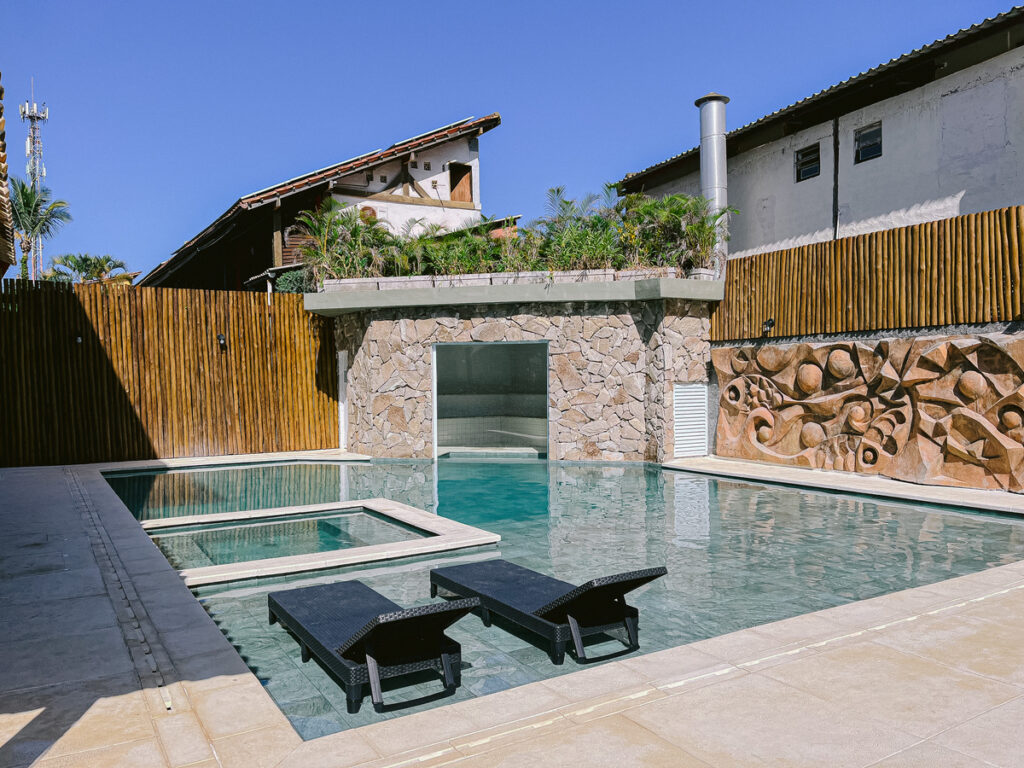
(93, 728)
(754, 720)
(747, 644)
(966, 641)
(802, 629)
(511, 705)
(339, 750)
(135, 754)
(613, 742)
(589, 682)
(929, 755)
(262, 748)
(527, 729)
(672, 664)
(434, 726)
(207, 672)
(183, 739)
(235, 709)
(994, 736)
(912, 694)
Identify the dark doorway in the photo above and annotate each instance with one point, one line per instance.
(491, 395)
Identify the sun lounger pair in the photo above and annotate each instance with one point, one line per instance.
(362, 637)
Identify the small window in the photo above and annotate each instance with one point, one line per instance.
(414, 164)
(867, 142)
(369, 178)
(807, 162)
(426, 165)
(383, 179)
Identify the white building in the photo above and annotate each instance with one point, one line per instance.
(935, 133)
(433, 178)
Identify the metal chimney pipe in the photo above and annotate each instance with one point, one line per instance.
(713, 180)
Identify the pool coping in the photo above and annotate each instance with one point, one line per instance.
(1003, 502)
(445, 536)
(494, 722)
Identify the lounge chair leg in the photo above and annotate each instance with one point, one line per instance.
(557, 652)
(273, 618)
(447, 671)
(632, 632)
(577, 639)
(306, 655)
(433, 590)
(374, 674)
(353, 698)
(485, 615)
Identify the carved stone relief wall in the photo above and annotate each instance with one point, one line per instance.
(939, 410)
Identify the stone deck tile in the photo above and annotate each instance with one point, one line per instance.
(770, 695)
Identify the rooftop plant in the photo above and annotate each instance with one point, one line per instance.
(632, 232)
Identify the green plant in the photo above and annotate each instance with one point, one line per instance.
(35, 215)
(296, 281)
(85, 268)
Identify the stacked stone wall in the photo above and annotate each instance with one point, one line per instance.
(611, 370)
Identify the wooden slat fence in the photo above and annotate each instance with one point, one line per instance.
(965, 269)
(109, 373)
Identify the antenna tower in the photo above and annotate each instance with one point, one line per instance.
(35, 115)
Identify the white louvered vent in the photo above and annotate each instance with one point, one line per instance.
(690, 415)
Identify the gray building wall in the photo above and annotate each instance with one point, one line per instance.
(951, 147)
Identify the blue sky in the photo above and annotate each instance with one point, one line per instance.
(163, 114)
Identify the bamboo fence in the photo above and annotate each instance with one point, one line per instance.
(965, 269)
(95, 373)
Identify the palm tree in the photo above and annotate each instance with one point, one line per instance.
(36, 216)
(86, 268)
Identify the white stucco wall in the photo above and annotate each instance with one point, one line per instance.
(395, 215)
(951, 147)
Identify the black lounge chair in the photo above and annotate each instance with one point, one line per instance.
(362, 637)
(557, 610)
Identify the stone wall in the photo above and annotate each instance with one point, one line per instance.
(935, 410)
(611, 370)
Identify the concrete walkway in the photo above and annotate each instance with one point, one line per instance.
(107, 660)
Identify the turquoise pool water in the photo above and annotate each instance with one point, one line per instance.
(738, 554)
(198, 546)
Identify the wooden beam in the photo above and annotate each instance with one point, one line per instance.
(278, 238)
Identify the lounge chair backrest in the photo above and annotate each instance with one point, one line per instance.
(604, 588)
(424, 620)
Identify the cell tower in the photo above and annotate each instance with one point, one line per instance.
(36, 171)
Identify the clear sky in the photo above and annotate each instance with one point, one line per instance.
(163, 114)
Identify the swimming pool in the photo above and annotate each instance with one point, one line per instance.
(201, 545)
(738, 554)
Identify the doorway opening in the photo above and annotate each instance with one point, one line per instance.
(460, 179)
(491, 398)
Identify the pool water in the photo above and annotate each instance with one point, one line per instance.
(198, 546)
(738, 554)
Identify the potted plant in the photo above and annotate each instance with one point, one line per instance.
(702, 232)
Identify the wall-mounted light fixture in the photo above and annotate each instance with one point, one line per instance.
(222, 341)
(767, 325)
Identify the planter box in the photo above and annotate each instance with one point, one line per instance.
(701, 274)
(584, 276)
(398, 283)
(351, 284)
(519, 278)
(456, 281)
(646, 274)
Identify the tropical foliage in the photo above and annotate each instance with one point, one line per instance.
(593, 232)
(85, 268)
(36, 216)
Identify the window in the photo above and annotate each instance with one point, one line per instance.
(369, 178)
(383, 179)
(414, 164)
(867, 142)
(426, 165)
(807, 162)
